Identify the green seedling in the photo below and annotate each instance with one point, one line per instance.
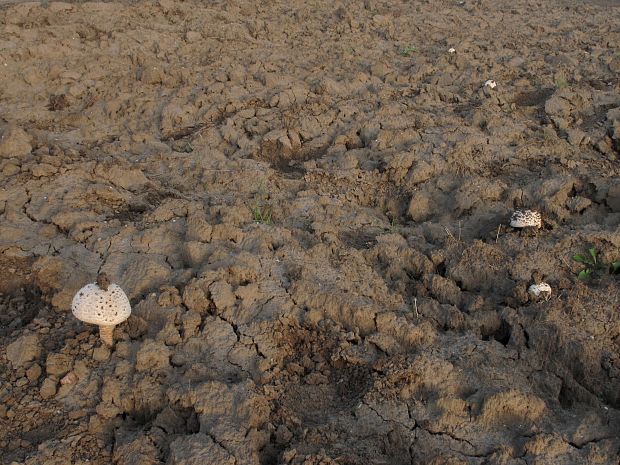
(561, 82)
(261, 208)
(593, 266)
(407, 51)
(393, 226)
(261, 213)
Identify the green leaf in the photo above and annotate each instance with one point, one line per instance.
(584, 275)
(614, 267)
(593, 253)
(579, 258)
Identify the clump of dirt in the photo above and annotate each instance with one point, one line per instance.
(308, 206)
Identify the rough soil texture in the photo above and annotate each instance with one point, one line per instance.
(307, 204)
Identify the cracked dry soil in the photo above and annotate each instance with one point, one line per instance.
(378, 313)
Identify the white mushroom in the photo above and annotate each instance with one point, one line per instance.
(490, 84)
(451, 50)
(526, 219)
(102, 304)
(540, 291)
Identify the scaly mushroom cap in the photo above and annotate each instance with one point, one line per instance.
(93, 305)
(540, 290)
(525, 219)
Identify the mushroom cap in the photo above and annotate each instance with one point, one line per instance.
(93, 305)
(490, 83)
(540, 289)
(525, 219)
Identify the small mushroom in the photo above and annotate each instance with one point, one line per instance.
(490, 83)
(540, 291)
(103, 304)
(526, 219)
(451, 50)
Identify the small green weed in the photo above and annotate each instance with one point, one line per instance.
(593, 266)
(407, 51)
(261, 213)
(261, 208)
(394, 226)
(560, 81)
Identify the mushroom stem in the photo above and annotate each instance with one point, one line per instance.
(106, 333)
(103, 281)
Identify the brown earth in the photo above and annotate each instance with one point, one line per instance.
(307, 203)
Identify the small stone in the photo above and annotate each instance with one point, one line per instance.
(48, 388)
(75, 414)
(101, 354)
(578, 204)
(169, 335)
(419, 206)
(21, 382)
(23, 350)
(613, 197)
(191, 322)
(289, 455)
(195, 252)
(43, 170)
(34, 372)
(315, 379)
(106, 410)
(81, 369)
(222, 295)
(576, 137)
(152, 356)
(169, 297)
(13, 445)
(58, 364)
(283, 435)
(14, 142)
(95, 424)
(11, 169)
(192, 36)
(122, 349)
(558, 106)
